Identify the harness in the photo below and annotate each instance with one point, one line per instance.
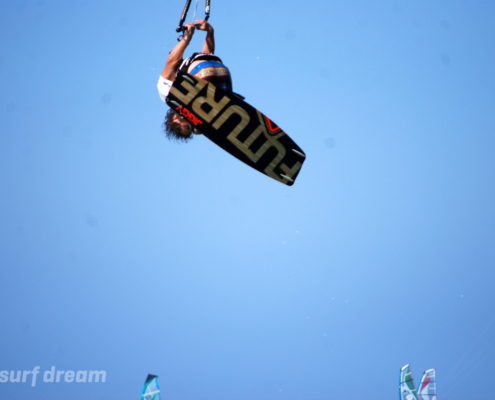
(197, 57)
(184, 66)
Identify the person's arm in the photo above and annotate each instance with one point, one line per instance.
(209, 44)
(176, 54)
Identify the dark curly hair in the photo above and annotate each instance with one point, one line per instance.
(172, 128)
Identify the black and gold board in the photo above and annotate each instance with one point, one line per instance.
(237, 127)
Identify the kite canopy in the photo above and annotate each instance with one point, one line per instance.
(427, 389)
(406, 384)
(151, 389)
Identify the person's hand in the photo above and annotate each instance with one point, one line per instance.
(203, 25)
(189, 32)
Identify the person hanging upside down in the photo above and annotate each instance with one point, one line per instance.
(204, 65)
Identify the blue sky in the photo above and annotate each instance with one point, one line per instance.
(125, 253)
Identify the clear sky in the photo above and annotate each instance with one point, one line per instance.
(126, 253)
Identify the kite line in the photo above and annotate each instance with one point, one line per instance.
(183, 16)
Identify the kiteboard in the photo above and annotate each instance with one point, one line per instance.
(237, 127)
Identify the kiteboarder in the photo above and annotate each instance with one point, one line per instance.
(204, 65)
